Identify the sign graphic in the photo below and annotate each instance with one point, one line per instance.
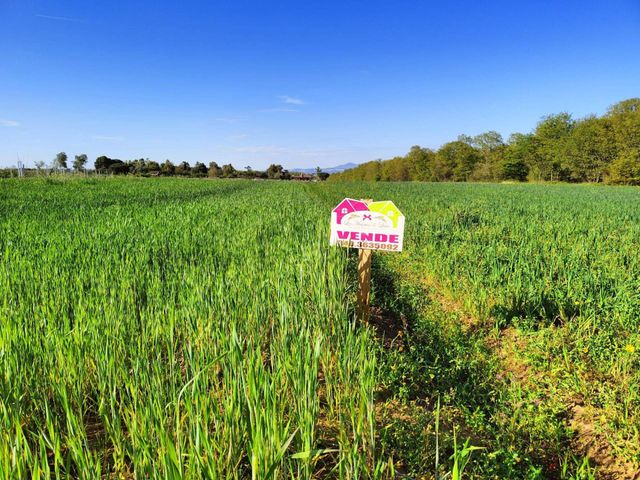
(373, 226)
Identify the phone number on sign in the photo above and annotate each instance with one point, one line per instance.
(369, 245)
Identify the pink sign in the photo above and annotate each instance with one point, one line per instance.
(374, 226)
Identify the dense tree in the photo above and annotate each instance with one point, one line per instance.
(138, 167)
(420, 163)
(590, 149)
(79, 162)
(276, 172)
(514, 166)
(625, 123)
(559, 149)
(199, 170)
(488, 141)
(102, 164)
(522, 154)
(167, 168)
(626, 168)
(60, 162)
(553, 133)
(372, 171)
(118, 167)
(228, 171)
(455, 161)
(183, 169)
(464, 138)
(395, 170)
(491, 147)
(214, 170)
(631, 105)
(153, 167)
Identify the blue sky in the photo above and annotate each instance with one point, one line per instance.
(301, 83)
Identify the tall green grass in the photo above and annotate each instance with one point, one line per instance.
(172, 328)
(557, 266)
(178, 329)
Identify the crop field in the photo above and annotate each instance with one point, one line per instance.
(189, 328)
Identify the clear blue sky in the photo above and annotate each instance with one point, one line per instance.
(302, 83)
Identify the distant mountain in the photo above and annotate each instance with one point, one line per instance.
(336, 169)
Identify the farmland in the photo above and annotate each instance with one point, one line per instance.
(185, 328)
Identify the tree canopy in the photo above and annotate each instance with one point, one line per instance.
(60, 162)
(79, 162)
(560, 148)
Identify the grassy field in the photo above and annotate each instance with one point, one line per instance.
(169, 328)
(522, 308)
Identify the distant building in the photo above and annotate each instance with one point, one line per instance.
(303, 177)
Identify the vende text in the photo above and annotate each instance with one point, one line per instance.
(367, 237)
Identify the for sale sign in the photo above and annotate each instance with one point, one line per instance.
(373, 226)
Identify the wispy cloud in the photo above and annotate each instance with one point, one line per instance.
(291, 100)
(61, 19)
(278, 109)
(287, 100)
(108, 138)
(240, 136)
(8, 123)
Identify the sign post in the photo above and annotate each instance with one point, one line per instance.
(367, 226)
(364, 284)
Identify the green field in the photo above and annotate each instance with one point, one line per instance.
(176, 328)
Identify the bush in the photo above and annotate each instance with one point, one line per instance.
(626, 169)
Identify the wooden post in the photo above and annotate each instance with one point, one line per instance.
(364, 281)
(364, 284)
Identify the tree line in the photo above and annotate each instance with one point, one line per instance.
(148, 168)
(591, 149)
